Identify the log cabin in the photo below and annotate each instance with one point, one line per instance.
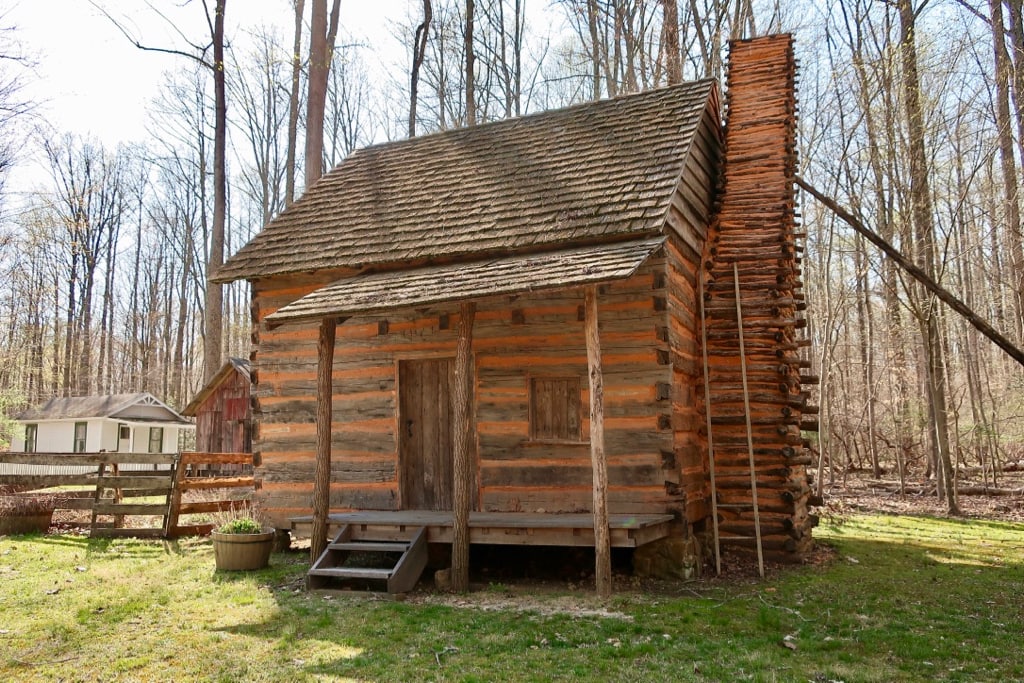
(494, 334)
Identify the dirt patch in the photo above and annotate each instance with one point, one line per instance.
(526, 597)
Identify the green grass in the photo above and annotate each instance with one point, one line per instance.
(904, 599)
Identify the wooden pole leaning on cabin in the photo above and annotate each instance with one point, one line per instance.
(322, 473)
(462, 465)
(707, 417)
(598, 459)
(746, 414)
(906, 264)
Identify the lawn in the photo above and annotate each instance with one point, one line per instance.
(901, 599)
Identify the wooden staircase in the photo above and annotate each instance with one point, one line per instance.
(406, 553)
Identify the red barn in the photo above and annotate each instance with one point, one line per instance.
(221, 410)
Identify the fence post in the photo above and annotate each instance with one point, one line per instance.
(174, 508)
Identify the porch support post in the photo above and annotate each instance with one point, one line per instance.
(322, 474)
(599, 462)
(462, 405)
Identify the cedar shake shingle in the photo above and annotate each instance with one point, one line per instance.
(578, 174)
(374, 292)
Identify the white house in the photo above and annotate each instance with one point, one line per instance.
(127, 423)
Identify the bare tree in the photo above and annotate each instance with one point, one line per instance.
(470, 66)
(321, 49)
(670, 41)
(293, 104)
(89, 201)
(214, 303)
(419, 51)
(263, 117)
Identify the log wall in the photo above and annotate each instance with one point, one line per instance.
(514, 340)
(688, 218)
(755, 229)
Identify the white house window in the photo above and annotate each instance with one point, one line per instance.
(81, 429)
(31, 437)
(124, 432)
(156, 439)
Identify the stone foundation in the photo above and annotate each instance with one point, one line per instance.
(675, 557)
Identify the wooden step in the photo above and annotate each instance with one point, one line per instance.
(353, 573)
(371, 546)
(330, 567)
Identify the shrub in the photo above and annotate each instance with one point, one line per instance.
(241, 525)
(29, 505)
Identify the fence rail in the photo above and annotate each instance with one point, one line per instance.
(188, 478)
(116, 477)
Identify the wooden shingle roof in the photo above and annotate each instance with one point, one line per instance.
(583, 173)
(375, 292)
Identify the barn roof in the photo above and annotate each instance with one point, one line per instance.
(595, 171)
(128, 406)
(239, 365)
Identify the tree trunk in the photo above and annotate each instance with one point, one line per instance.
(1007, 160)
(470, 66)
(214, 310)
(293, 106)
(419, 51)
(922, 214)
(866, 346)
(321, 48)
(595, 52)
(670, 42)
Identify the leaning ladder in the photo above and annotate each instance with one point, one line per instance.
(710, 432)
(746, 414)
(707, 416)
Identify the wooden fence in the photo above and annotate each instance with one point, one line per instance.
(125, 484)
(189, 476)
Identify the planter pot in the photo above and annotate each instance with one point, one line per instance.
(25, 524)
(239, 552)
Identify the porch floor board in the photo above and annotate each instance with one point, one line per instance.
(502, 528)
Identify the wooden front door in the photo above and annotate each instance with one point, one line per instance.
(426, 432)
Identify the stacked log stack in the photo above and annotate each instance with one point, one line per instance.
(754, 231)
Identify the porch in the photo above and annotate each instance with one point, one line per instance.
(499, 528)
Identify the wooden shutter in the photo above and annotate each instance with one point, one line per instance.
(555, 408)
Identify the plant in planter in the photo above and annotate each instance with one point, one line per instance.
(27, 513)
(241, 542)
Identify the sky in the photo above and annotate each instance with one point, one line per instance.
(89, 79)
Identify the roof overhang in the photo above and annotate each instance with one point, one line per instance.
(135, 422)
(516, 274)
(231, 366)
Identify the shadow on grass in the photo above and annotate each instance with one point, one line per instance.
(287, 570)
(902, 599)
(124, 547)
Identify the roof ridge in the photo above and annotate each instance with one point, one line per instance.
(536, 115)
(592, 170)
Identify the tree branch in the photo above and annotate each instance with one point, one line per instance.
(906, 264)
(148, 48)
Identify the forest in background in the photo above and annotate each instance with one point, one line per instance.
(912, 118)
